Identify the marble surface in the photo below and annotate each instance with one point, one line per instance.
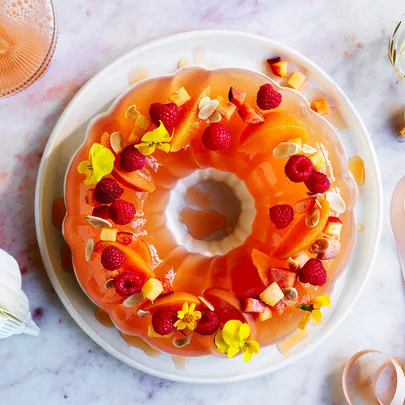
(348, 39)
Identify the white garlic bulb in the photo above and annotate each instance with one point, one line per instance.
(15, 316)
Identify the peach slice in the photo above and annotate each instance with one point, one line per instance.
(262, 262)
(226, 305)
(138, 179)
(187, 127)
(300, 237)
(175, 300)
(142, 248)
(133, 261)
(280, 126)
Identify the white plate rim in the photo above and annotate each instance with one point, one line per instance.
(197, 35)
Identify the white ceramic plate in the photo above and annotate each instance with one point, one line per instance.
(207, 49)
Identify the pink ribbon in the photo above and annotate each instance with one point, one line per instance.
(399, 393)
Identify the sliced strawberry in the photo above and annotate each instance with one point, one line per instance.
(253, 305)
(305, 205)
(279, 308)
(285, 278)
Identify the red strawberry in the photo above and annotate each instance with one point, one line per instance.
(91, 198)
(122, 212)
(281, 215)
(163, 321)
(208, 323)
(128, 284)
(253, 305)
(126, 238)
(268, 98)
(298, 168)
(317, 182)
(112, 258)
(280, 307)
(131, 159)
(313, 273)
(167, 113)
(167, 286)
(305, 205)
(107, 191)
(216, 137)
(285, 278)
(332, 251)
(101, 212)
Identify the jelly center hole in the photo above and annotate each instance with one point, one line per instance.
(211, 210)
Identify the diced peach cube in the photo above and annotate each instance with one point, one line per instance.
(152, 289)
(297, 80)
(333, 227)
(266, 314)
(321, 106)
(143, 122)
(108, 234)
(180, 97)
(272, 294)
(280, 68)
(318, 161)
(225, 107)
(250, 114)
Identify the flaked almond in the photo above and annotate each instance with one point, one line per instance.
(133, 300)
(88, 250)
(117, 142)
(207, 110)
(98, 222)
(181, 342)
(336, 202)
(109, 284)
(307, 149)
(286, 149)
(290, 294)
(215, 117)
(143, 313)
(319, 246)
(312, 218)
(318, 204)
(293, 264)
(203, 102)
(206, 303)
(131, 113)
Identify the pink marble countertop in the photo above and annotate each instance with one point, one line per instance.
(348, 39)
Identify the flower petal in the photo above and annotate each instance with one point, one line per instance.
(84, 167)
(192, 308)
(231, 331)
(192, 324)
(146, 148)
(180, 314)
(317, 315)
(244, 332)
(321, 301)
(177, 323)
(185, 307)
(182, 325)
(253, 345)
(247, 355)
(304, 321)
(233, 350)
(157, 135)
(165, 147)
(196, 315)
(220, 343)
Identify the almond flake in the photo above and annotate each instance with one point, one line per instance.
(131, 113)
(207, 110)
(143, 313)
(290, 294)
(117, 142)
(293, 264)
(181, 342)
(203, 102)
(206, 303)
(312, 218)
(88, 251)
(319, 246)
(215, 117)
(336, 202)
(309, 150)
(286, 149)
(98, 222)
(133, 300)
(318, 204)
(109, 284)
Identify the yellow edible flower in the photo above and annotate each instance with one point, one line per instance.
(233, 338)
(313, 310)
(100, 163)
(187, 317)
(158, 138)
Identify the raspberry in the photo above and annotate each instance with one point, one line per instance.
(131, 159)
(208, 323)
(112, 258)
(281, 215)
(107, 191)
(122, 212)
(163, 321)
(100, 212)
(298, 168)
(128, 284)
(313, 273)
(216, 137)
(318, 182)
(167, 113)
(268, 98)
